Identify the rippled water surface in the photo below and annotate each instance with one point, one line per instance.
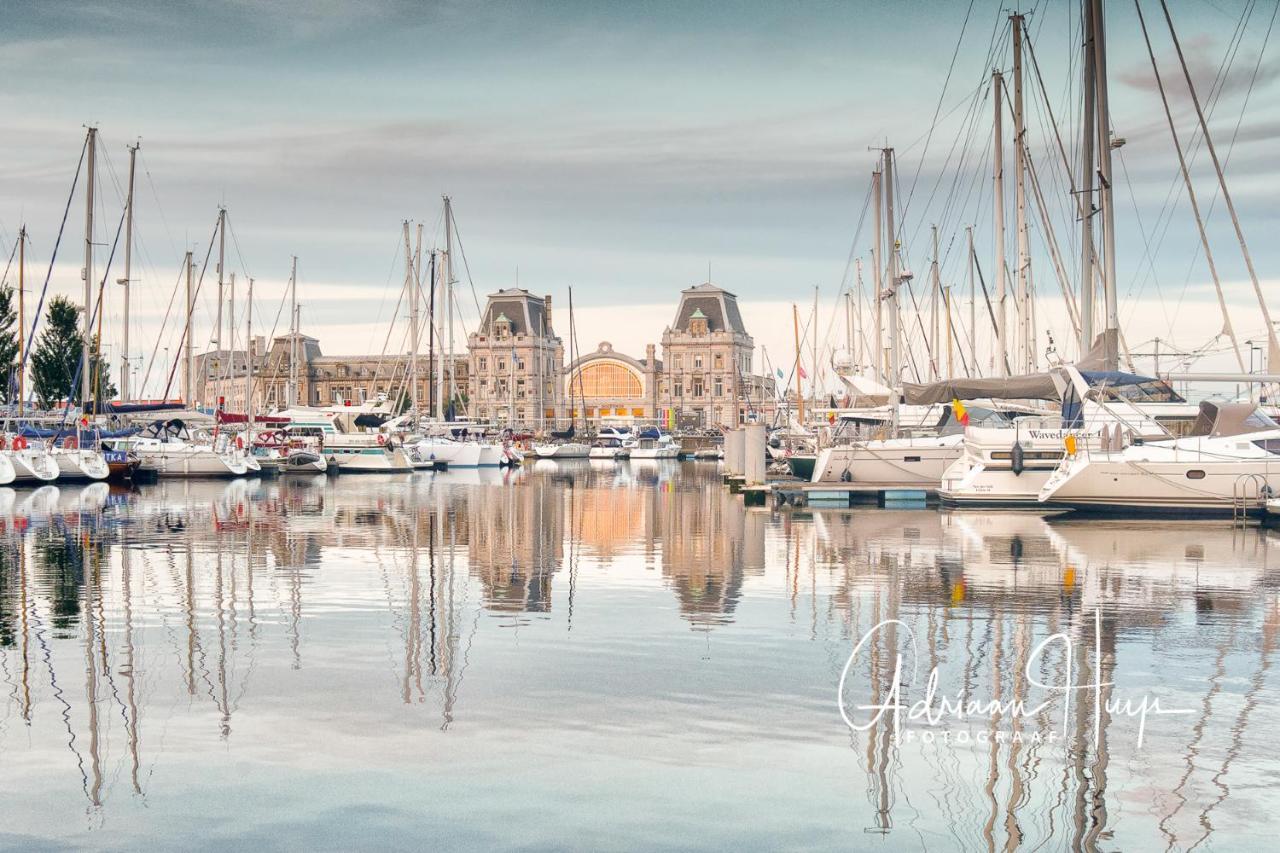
(621, 658)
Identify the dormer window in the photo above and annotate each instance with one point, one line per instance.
(502, 327)
(697, 323)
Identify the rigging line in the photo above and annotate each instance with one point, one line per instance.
(35, 320)
(183, 338)
(1186, 177)
(457, 235)
(1173, 195)
(173, 295)
(12, 253)
(933, 124)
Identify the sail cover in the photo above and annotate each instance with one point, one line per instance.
(1032, 386)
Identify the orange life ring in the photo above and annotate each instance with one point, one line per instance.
(70, 442)
(20, 443)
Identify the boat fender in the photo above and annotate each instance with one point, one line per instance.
(20, 443)
(382, 439)
(2, 441)
(1015, 458)
(1070, 443)
(239, 442)
(845, 476)
(70, 442)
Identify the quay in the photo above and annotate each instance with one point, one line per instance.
(781, 492)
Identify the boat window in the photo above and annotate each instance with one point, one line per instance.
(1113, 385)
(1259, 421)
(1271, 445)
(911, 459)
(1195, 474)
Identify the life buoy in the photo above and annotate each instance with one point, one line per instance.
(2, 442)
(70, 442)
(382, 439)
(20, 443)
(239, 442)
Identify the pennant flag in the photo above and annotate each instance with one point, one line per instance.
(958, 409)
(780, 375)
(803, 375)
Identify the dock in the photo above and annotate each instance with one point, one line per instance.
(790, 492)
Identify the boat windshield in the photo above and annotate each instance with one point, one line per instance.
(1114, 385)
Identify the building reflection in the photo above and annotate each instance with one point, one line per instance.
(113, 604)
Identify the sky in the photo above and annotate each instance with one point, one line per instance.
(621, 149)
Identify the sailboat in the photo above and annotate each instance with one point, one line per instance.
(563, 444)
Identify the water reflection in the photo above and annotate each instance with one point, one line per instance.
(626, 634)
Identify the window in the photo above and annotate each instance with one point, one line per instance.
(697, 362)
(483, 364)
(697, 387)
(678, 362)
(502, 365)
(718, 361)
(719, 387)
(606, 379)
(1195, 474)
(678, 390)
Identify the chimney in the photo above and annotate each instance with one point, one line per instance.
(546, 308)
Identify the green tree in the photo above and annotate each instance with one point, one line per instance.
(56, 357)
(8, 345)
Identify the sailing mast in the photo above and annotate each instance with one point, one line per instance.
(1026, 353)
(125, 391)
(411, 286)
(248, 358)
(1112, 329)
(222, 254)
(291, 398)
(877, 263)
(895, 368)
(1002, 349)
(415, 283)
(432, 366)
(1087, 259)
(448, 294)
(795, 319)
(188, 361)
(87, 273)
(22, 318)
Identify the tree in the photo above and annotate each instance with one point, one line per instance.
(55, 360)
(8, 346)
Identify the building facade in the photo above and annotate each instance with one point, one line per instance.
(707, 361)
(515, 362)
(323, 380)
(606, 385)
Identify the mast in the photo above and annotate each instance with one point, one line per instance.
(416, 284)
(1112, 328)
(231, 334)
(877, 261)
(935, 292)
(125, 391)
(22, 318)
(248, 360)
(895, 366)
(1002, 349)
(813, 380)
(973, 306)
(188, 358)
(411, 286)
(432, 367)
(1087, 208)
(292, 397)
(795, 319)
(222, 255)
(1026, 354)
(448, 293)
(87, 333)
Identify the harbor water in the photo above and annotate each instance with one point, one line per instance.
(623, 656)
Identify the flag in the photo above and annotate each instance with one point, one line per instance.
(958, 409)
(780, 374)
(803, 375)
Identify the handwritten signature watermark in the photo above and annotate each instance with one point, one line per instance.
(935, 709)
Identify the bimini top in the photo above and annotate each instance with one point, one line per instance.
(1032, 386)
(1218, 420)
